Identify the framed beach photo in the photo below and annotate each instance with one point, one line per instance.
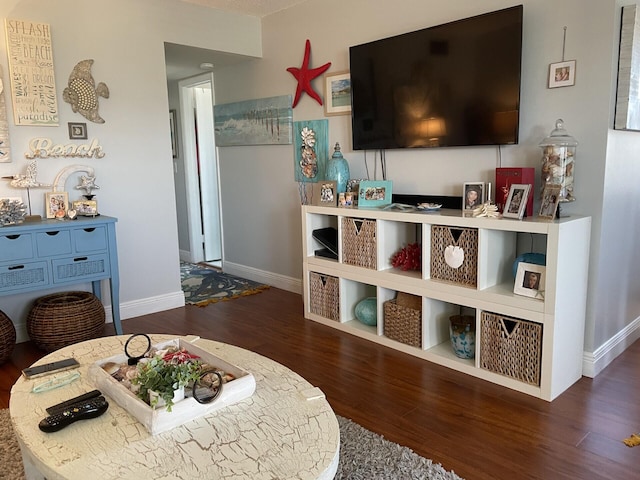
(87, 208)
(550, 201)
(517, 200)
(530, 280)
(562, 74)
(472, 195)
(337, 93)
(57, 204)
(374, 193)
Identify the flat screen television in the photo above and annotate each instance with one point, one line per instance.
(450, 85)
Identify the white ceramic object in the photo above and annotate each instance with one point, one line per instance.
(454, 256)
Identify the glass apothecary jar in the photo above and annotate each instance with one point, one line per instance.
(558, 161)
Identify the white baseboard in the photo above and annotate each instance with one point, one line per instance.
(594, 363)
(279, 281)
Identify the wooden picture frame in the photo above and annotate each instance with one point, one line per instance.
(517, 200)
(77, 131)
(550, 201)
(473, 194)
(562, 74)
(374, 193)
(86, 208)
(530, 280)
(57, 204)
(337, 93)
(325, 193)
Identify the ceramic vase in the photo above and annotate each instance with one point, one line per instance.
(367, 311)
(338, 169)
(462, 330)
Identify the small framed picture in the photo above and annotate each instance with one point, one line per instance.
(77, 131)
(550, 201)
(325, 193)
(337, 94)
(472, 195)
(87, 208)
(346, 199)
(57, 204)
(517, 200)
(374, 193)
(530, 280)
(562, 74)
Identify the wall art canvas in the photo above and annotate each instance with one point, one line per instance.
(265, 121)
(311, 150)
(33, 84)
(627, 115)
(5, 151)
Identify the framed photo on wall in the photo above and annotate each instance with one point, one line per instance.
(562, 74)
(517, 200)
(337, 93)
(530, 280)
(57, 204)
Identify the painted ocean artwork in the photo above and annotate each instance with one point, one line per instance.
(265, 121)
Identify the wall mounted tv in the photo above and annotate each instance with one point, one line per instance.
(451, 85)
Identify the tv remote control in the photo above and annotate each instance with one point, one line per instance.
(72, 401)
(39, 370)
(91, 408)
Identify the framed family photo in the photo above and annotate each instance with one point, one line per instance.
(517, 200)
(57, 204)
(562, 74)
(87, 208)
(550, 201)
(325, 193)
(472, 195)
(374, 193)
(337, 94)
(530, 280)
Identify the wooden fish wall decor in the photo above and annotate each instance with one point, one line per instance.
(82, 92)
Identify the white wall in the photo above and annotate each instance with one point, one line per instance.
(126, 40)
(333, 25)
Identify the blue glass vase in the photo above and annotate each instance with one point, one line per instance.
(338, 169)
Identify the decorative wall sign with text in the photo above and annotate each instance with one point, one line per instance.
(33, 84)
(5, 151)
(45, 148)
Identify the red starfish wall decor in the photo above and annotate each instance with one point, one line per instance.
(304, 75)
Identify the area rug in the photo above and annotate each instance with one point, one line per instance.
(204, 285)
(364, 455)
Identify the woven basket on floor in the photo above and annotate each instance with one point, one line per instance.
(7, 337)
(62, 319)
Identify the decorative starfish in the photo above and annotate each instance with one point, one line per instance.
(304, 75)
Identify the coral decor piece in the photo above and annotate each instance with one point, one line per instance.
(304, 75)
(408, 258)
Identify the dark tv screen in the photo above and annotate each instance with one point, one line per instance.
(451, 85)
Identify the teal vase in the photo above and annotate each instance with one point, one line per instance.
(338, 169)
(367, 311)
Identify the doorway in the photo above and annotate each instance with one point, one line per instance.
(201, 169)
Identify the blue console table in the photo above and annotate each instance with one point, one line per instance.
(52, 253)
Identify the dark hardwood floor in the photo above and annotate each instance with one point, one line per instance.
(479, 430)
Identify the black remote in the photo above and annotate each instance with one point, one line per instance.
(81, 411)
(72, 401)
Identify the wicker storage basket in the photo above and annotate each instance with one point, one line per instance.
(511, 347)
(7, 337)
(465, 238)
(324, 296)
(61, 319)
(402, 324)
(359, 242)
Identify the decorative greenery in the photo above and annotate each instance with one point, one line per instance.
(408, 258)
(165, 374)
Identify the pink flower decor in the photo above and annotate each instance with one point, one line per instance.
(408, 258)
(180, 356)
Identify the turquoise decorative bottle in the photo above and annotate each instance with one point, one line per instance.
(338, 169)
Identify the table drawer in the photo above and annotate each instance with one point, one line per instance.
(24, 276)
(90, 239)
(79, 268)
(53, 242)
(16, 247)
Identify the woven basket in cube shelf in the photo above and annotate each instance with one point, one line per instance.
(61, 319)
(359, 246)
(324, 296)
(7, 337)
(402, 324)
(452, 241)
(511, 347)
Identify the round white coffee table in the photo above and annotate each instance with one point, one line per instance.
(286, 429)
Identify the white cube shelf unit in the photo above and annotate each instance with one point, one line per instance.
(561, 313)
